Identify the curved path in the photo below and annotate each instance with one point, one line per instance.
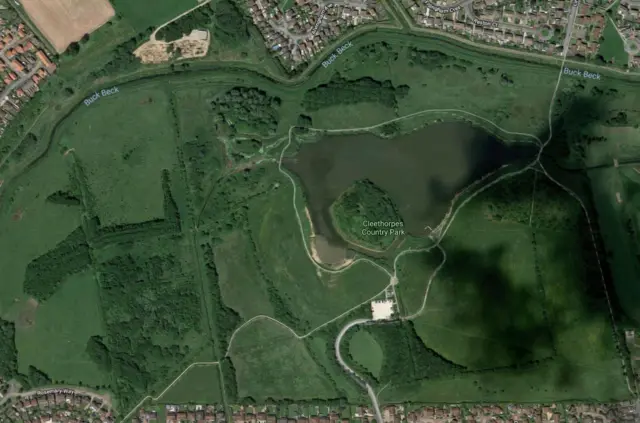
(370, 391)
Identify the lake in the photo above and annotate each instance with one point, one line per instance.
(421, 171)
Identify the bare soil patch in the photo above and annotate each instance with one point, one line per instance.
(66, 21)
(196, 44)
(27, 315)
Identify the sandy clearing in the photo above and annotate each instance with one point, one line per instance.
(66, 21)
(195, 44)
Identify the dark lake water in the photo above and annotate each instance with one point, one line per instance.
(421, 171)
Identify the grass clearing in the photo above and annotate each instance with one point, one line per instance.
(124, 142)
(364, 349)
(271, 363)
(62, 326)
(200, 385)
(241, 283)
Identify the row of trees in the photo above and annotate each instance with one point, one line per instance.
(343, 91)
(226, 319)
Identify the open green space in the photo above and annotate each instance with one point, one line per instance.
(123, 166)
(241, 282)
(144, 14)
(519, 291)
(364, 349)
(200, 385)
(271, 362)
(612, 46)
(26, 227)
(62, 326)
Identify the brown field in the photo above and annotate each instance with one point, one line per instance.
(66, 21)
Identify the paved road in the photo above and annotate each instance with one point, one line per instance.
(372, 394)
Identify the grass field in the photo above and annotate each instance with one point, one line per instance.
(242, 285)
(414, 270)
(144, 14)
(619, 222)
(26, 227)
(62, 326)
(612, 47)
(364, 349)
(200, 385)
(124, 167)
(203, 153)
(555, 317)
(271, 362)
(489, 270)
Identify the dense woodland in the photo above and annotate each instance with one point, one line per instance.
(200, 18)
(406, 358)
(231, 27)
(343, 91)
(246, 110)
(8, 350)
(45, 274)
(365, 202)
(147, 299)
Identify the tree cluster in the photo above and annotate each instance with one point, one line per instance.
(45, 274)
(434, 59)
(64, 198)
(376, 52)
(200, 18)
(247, 110)
(230, 27)
(343, 91)
(123, 58)
(365, 202)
